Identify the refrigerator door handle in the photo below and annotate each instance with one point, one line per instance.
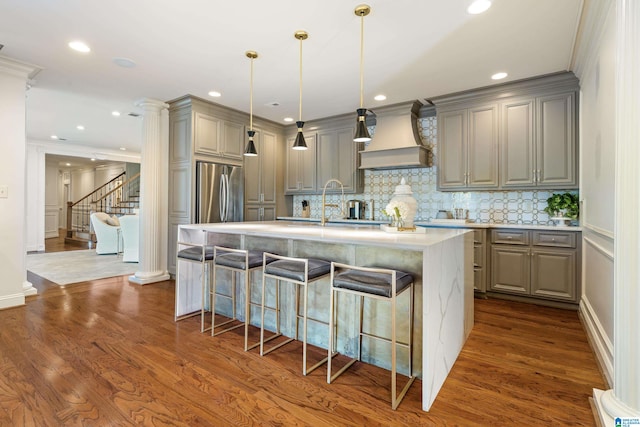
(222, 199)
(227, 202)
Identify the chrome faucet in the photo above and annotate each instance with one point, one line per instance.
(323, 220)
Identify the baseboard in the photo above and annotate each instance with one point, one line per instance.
(10, 301)
(600, 343)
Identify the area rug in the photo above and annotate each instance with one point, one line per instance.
(63, 268)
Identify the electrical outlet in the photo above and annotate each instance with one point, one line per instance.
(4, 191)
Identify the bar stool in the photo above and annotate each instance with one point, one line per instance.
(301, 272)
(200, 254)
(378, 283)
(237, 261)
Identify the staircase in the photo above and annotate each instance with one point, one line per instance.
(120, 196)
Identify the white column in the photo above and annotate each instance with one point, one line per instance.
(153, 193)
(13, 142)
(623, 401)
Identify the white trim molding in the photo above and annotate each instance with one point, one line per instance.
(623, 400)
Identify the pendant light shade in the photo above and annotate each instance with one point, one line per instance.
(250, 149)
(300, 143)
(362, 133)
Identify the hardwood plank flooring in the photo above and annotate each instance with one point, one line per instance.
(108, 352)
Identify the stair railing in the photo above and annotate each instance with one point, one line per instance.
(101, 199)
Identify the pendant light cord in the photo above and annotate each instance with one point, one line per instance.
(361, 60)
(251, 99)
(300, 103)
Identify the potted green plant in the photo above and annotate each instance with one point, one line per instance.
(562, 207)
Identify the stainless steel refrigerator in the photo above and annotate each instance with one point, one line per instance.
(219, 193)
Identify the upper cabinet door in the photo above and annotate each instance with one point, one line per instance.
(207, 130)
(482, 147)
(517, 142)
(338, 159)
(452, 137)
(253, 173)
(268, 166)
(301, 167)
(556, 141)
(233, 134)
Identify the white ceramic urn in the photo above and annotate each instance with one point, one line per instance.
(403, 194)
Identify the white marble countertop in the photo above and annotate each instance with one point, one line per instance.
(345, 233)
(430, 224)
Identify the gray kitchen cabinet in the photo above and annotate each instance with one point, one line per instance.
(260, 213)
(301, 167)
(468, 148)
(538, 141)
(260, 178)
(480, 260)
(338, 158)
(538, 264)
(528, 142)
(216, 137)
(200, 130)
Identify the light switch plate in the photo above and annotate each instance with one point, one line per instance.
(4, 191)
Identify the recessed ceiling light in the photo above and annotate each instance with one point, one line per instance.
(479, 6)
(499, 76)
(215, 94)
(123, 149)
(93, 160)
(115, 113)
(80, 127)
(54, 136)
(124, 62)
(79, 46)
(288, 119)
(380, 97)
(67, 164)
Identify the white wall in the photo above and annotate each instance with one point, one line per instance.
(595, 67)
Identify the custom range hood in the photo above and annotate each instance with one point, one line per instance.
(396, 142)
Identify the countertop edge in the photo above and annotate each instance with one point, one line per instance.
(429, 224)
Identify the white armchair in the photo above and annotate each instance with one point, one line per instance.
(107, 231)
(130, 224)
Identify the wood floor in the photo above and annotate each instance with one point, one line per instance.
(108, 352)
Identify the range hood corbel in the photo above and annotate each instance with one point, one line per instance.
(396, 142)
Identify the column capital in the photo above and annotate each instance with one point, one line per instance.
(150, 104)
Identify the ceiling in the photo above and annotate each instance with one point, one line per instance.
(413, 49)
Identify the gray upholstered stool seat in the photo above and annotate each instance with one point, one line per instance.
(371, 282)
(377, 283)
(196, 253)
(237, 261)
(301, 272)
(295, 269)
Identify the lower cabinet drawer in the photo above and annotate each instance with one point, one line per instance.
(511, 237)
(555, 239)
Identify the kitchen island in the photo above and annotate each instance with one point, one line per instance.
(441, 261)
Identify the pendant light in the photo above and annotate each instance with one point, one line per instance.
(250, 149)
(300, 143)
(362, 133)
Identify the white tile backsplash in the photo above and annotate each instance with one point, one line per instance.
(499, 207)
